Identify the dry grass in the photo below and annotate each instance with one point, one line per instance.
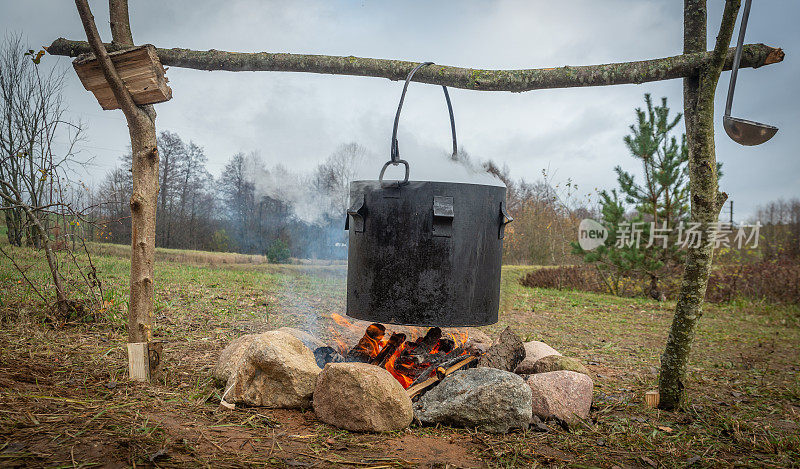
(65, 400)
(183, 256)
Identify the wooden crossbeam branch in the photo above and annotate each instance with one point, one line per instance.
(667, 68)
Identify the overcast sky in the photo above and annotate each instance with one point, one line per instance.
(298, 119)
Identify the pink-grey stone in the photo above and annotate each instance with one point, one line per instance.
(563, 395)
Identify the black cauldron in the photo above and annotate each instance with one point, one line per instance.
(422, 252)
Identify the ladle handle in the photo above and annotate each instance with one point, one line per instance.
(737, 57)
(395, 152)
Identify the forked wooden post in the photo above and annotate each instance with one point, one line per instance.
(147, 74)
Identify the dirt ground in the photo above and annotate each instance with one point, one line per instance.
(65, 400)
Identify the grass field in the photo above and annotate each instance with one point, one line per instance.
(65, 401)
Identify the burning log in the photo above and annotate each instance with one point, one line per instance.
(440, 374)
(395, 341)
(430, 340)
(369, 345)
(506, 353)
(409, 361)
(435, 368)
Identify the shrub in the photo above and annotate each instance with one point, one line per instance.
(565, 278)
(220, 241)
(770, 281)
(278, 251)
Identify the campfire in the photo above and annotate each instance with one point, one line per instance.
(416, 363)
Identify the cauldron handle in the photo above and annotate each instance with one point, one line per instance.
(395, 154)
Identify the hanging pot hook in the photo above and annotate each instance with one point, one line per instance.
(395, 151)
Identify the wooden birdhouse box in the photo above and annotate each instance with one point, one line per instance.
(138, 67)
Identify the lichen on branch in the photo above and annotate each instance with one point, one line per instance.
(667, 68)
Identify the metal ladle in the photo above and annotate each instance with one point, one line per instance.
(743, 131)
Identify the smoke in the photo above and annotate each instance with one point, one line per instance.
(316, 198)
(307, 209)
(430, 163)
(296, 190)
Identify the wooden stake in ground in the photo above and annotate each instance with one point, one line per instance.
(651, 399)
(141, 127)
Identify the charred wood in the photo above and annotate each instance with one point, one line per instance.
(368, 346)
(448, 361)
(429, 341)
(325, 355)
(441, 373)
(506, 353)
(395, 341)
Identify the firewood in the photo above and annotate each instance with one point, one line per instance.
(441, 373)
(445, 344)
(395, 341)
(506, 353)
(439, 361)
(362, 351)
(430, 340)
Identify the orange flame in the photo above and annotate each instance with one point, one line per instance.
(341, 320)
(404, 380)
(376, 337)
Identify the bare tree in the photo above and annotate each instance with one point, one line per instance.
(334, 175)
(36, 193)
(32, 116)
(239, 196)
(172, 151)
(113, 209)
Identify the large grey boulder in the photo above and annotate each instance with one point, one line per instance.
(361, 397)
(275, 370)
(489, 399)
(534, 351)
(563, 395)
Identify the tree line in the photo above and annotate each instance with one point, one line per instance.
(249, 208)
(252, 208)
